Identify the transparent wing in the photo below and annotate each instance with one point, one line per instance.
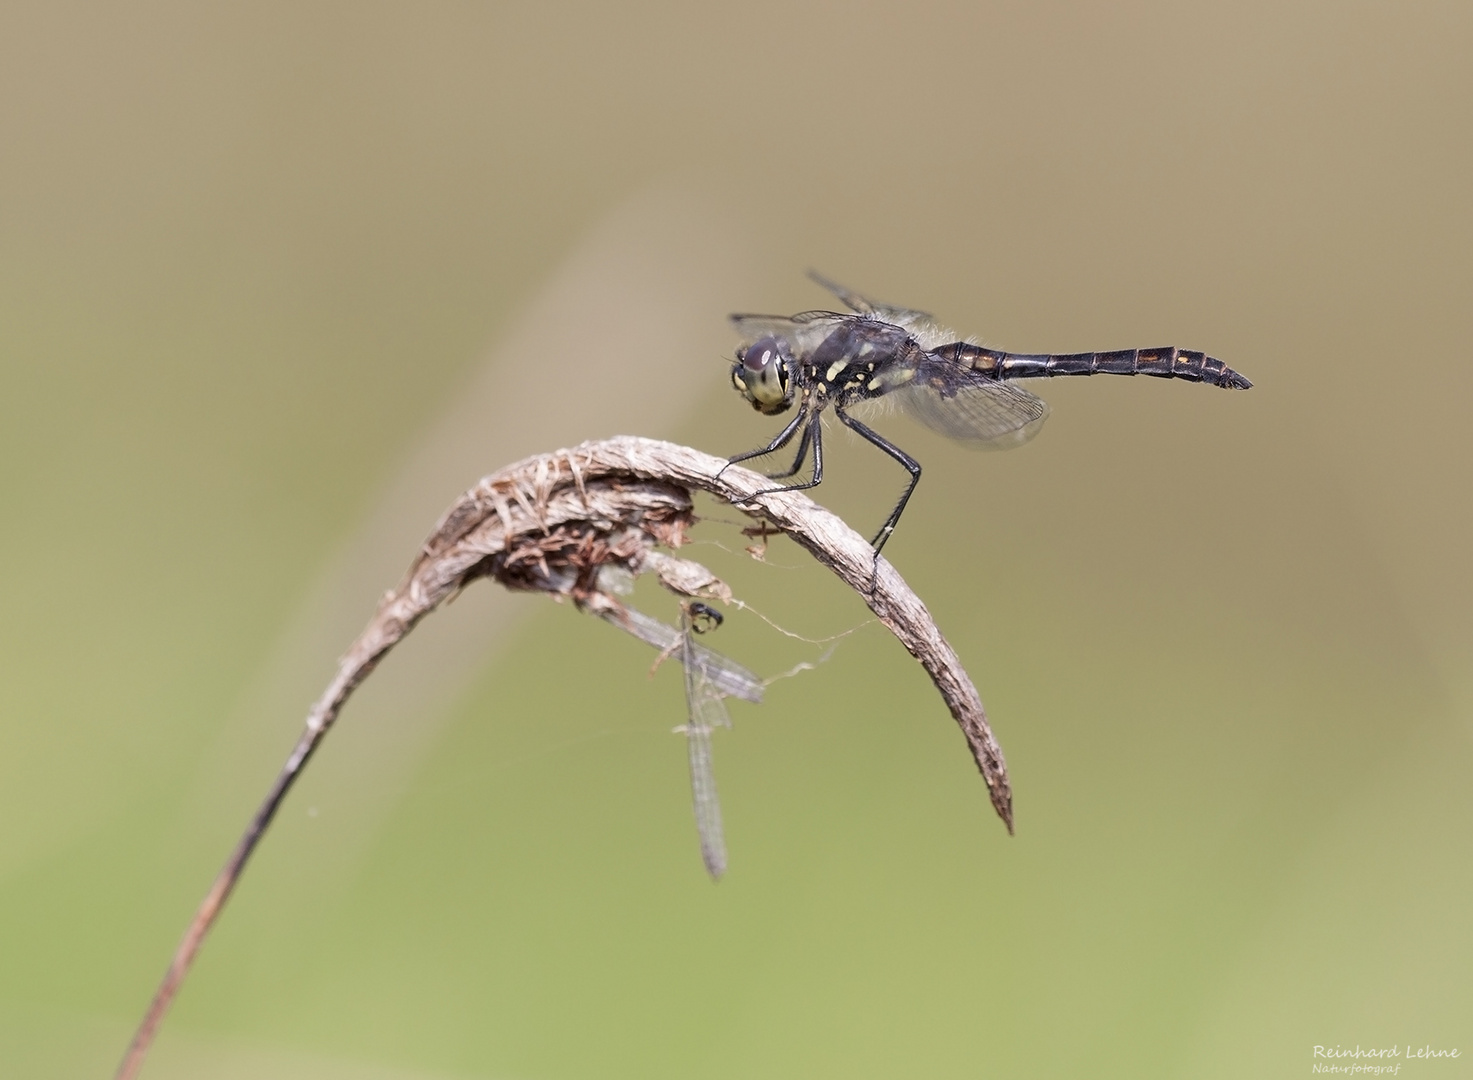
(707, 712)
(921, 323)
(864, 304)
(804, 331)
(728, 677)
(709, 677)
(983, 413)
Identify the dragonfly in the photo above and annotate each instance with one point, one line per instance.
(706, 712)
(962, 390)
(709, 678)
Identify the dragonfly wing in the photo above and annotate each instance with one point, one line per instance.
(853, 300)
(981, 412)
(864, 305)
(920, 323)
(728, 677)
(706, 714)
(804, 331)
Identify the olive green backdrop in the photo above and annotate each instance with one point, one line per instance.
(276, 282)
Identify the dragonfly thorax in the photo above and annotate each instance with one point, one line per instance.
(764, 373)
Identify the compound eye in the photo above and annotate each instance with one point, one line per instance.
(763, 375)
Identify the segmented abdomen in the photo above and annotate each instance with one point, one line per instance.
(1164, 363)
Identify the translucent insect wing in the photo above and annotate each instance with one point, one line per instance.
(981, 413)
(707, 712)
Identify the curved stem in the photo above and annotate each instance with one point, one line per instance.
(549, 523)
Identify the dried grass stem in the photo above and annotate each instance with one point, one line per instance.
(550, 524)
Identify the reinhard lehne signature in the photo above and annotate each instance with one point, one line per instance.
(1376, 1060)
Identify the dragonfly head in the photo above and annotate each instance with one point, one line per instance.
(764, 375)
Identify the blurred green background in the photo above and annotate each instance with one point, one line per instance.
(278, 281)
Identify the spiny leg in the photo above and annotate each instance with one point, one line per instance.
(784, 437)
(912, 466)
(814, 434)
(797, 461)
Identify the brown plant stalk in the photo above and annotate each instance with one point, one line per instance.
(552, 523)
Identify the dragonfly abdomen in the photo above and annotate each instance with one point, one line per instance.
(1167, 362)
(1164, 363)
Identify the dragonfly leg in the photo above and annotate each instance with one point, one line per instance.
(912, 466)
(784, 437)
(797, 461)
(813, 435)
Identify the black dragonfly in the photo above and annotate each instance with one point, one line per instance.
(962, 390)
